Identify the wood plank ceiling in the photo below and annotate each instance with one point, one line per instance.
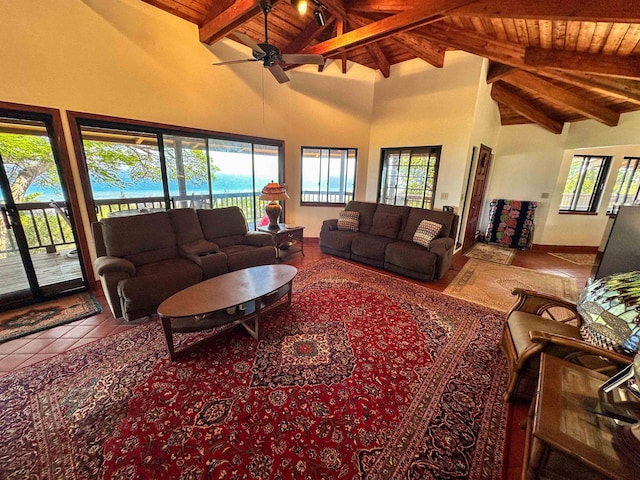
(551, 61)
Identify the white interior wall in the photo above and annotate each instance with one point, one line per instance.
(420, 105)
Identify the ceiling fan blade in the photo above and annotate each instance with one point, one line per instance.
(233, 62)
(302, 59)
(248, 41)
(277, 71)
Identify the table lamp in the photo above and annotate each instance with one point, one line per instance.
(610, 308)
(273, 192)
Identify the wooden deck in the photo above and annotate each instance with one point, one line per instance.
(50, 268)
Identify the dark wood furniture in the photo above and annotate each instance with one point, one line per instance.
(565, 438)
(237, 298)
(288, 238)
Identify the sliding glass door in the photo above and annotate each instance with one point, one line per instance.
(136, 168)
(38, 250)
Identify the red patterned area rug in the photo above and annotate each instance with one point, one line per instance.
(365, 376)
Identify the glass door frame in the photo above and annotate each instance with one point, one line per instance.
(53, 122)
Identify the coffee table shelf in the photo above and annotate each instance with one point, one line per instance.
(251, 293)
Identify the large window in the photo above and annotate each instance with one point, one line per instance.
(328, 175)
(140, 166)
(585, 182)
(409, 176)
(625, 190)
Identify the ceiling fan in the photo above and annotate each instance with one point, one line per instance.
(270, 55)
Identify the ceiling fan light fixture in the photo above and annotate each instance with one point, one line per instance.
(319, 16)
(301, 6)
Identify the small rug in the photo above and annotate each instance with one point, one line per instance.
(364, 376)
(491, 253)
(34, 318)
(578, 258)
(490, 284)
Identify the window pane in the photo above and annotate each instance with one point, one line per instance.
(328, 175)
(124, 169)
(409, 176)
(187, 171)
(584, 183)
(625, 190)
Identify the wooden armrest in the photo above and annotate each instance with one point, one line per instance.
(537, 303)
(580, 346)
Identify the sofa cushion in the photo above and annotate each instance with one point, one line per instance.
(426, 231)
(140, 239)
(370, 246)
(410, 256)
(386, 225)
(446, 219)
(199, 247)
(348, 221)
(222, 222)
(186, 225)
(337, 240)
(244, 256)
(366, 210)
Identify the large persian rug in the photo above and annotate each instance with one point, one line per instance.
(491, 253)
(365, 376)
(490, 284)
(34, 318)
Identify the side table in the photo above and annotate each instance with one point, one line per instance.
(288, 239)
(569, 432)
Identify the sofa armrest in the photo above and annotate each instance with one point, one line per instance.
(259, 239)
(109, 264)
(440, 246)
(331, 224)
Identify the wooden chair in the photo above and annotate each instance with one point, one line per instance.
(538, 322)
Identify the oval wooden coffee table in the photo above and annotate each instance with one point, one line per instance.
(250, 293)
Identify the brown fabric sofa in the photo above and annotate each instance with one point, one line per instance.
(144, 259)
(385, 241)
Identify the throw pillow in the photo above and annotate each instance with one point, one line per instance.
(386, 225)
(426, 232)
(348, 221)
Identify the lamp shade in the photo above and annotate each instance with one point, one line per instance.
(610, 308)
(274, 191)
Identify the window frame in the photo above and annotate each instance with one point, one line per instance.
(345, 174)
(596, 196)
(80, 120)
(625, 183)
(427, 201)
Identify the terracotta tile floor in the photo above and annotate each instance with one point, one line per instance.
(21, 352)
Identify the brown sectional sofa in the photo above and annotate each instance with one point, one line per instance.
(385, 239)
(144, 259)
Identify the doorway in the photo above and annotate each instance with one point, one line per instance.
(477, 196)
(38, 245)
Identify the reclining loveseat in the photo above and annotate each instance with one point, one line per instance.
(144, 259)
(414, 242)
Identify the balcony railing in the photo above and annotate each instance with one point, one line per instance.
(47, 227)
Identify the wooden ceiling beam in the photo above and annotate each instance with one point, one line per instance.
(622, 11)
(627, 90)
(335, 8)
(407, 20)
(503, 94)
(428, 51)
(433, 54)
(310, 32)
(373, 49)
(219, 27)
(498, 71)
(612, 65)
(381, 6)
(559, 95)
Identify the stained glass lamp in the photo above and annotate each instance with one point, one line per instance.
(610, 308)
